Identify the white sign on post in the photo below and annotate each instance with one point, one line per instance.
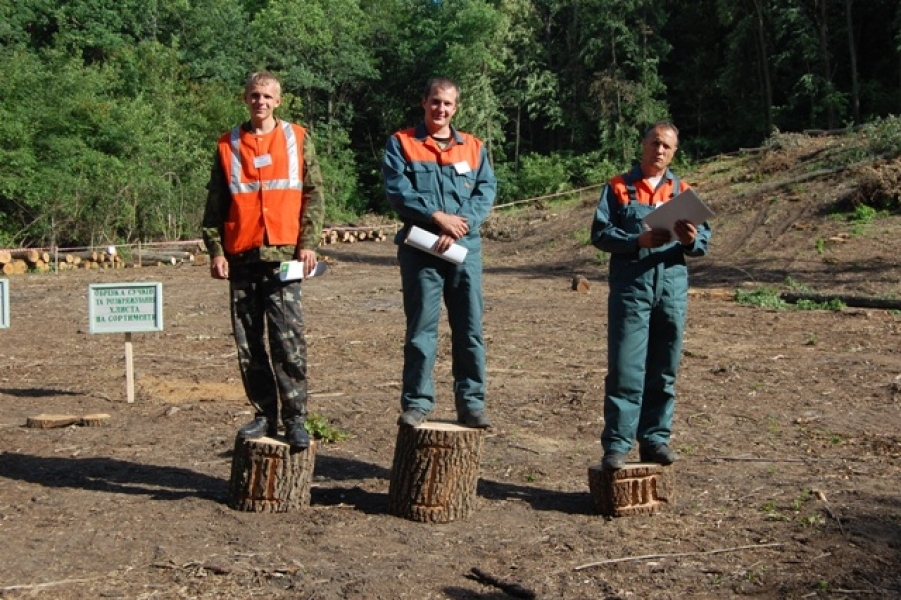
(126, 308)
(4, 303)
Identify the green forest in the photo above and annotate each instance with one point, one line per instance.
(110, 109)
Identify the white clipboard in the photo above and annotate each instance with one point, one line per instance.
(686, 206)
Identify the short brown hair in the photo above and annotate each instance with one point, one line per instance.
(664, 124)
(440, 82)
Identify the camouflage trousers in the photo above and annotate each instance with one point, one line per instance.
(265, 308)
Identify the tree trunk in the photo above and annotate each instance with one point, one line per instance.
(852, 56)
(636, 489)
(267, 476)
(435, 472)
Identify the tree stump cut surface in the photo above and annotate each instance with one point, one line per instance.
(636, 489)
(267, 476)
(435, 472)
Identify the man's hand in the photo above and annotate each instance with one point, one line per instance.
(443, 244)
(219, 267)
(454, 226)
(654, 238)
(686, 232)
(308, 258)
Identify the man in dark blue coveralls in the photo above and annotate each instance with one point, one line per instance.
(439, 179)
(647, 303)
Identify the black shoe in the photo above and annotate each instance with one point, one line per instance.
(296, 434)
(259, 427)
(477, 419)
(613, 461)
(412, 417)
(661, 454)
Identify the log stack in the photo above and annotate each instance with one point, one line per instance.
(350, 235)
(23, 261)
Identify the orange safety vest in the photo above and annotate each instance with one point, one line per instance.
(428, 151)
(265, 178)
(626, 189)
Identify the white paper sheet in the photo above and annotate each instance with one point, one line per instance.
(685, 206)
(425, 241)
(291, 270)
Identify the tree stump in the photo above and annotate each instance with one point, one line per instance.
(267, 476)
(435, 472)
(636, 489)
(94, 420)
(50, 421)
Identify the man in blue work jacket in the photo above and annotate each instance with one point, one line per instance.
(647, 302)
(439, 179)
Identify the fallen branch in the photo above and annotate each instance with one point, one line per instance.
(822, 498)
(39, 586)
(676, 555)
(511, 589)
(758, 459)
(850, 301)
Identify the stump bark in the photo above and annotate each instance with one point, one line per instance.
(636, 489)
(435, 472)
(267, 476)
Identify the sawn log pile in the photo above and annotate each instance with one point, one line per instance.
(15, 262)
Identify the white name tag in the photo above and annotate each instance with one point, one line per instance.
(462, 167)
(262, 161)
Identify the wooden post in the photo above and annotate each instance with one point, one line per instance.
(636, 489)
(435, 472)
(129, 369)
(267, 476)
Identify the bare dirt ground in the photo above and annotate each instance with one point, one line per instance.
(787, 423)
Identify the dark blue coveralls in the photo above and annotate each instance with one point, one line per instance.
(647, 306)
(421, 179)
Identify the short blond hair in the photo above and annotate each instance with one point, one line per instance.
(262, 78)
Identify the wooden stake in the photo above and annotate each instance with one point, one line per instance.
(129, 369)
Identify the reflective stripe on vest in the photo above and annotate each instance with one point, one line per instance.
(292, 183)
(265, 179)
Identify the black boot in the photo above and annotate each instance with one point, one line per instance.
(259, 427)
(296, 433)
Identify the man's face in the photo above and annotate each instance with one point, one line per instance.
(261, 99)
(439, 108)
(658, 149)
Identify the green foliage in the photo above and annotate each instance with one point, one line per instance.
(769, 297)
(541, 175)
(319, 427)
(764, 297)
(833, 304)
(863, 214)
(110, 108)
(819, 245)
(883, 137)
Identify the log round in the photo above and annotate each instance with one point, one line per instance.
(636, 489)
(435, 472)
(267, 476)
(94, 420)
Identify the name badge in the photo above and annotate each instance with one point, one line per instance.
(462, 167)
(261, 161)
